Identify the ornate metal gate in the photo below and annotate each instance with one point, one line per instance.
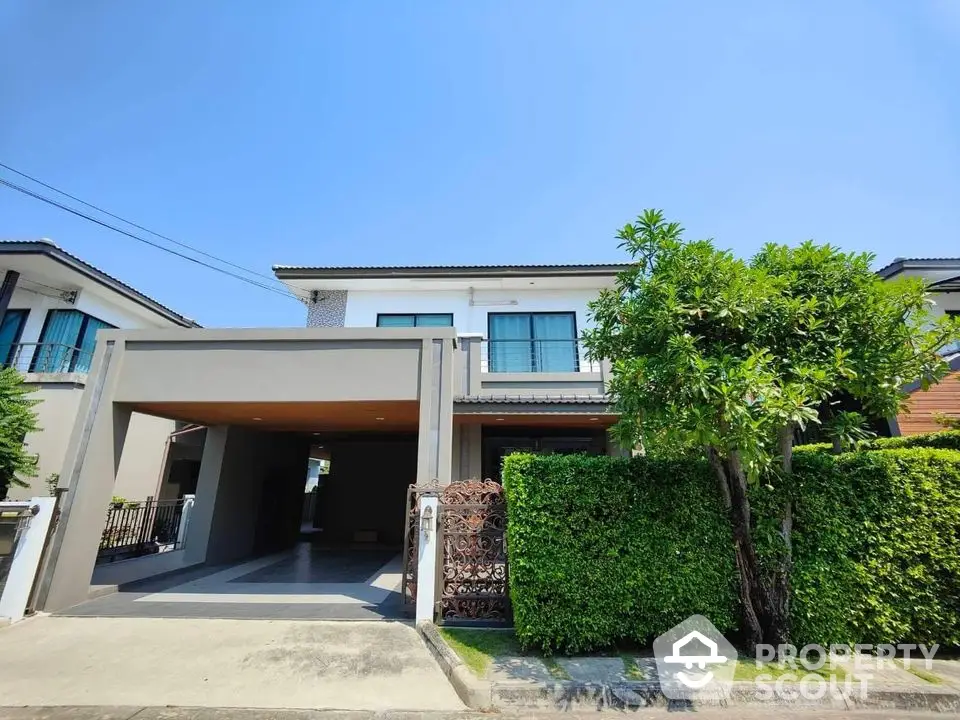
(472, 583)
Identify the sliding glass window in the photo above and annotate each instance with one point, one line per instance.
(415, 320)
(532, 342)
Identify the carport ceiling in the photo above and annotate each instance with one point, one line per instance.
(305, 416)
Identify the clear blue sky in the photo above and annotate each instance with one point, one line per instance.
(322, 132)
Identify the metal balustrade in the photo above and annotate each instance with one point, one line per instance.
(46, 358)
(535, 356)
(140, 528)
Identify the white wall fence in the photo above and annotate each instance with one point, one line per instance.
(26, 526)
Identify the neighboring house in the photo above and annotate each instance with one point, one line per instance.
(942, 276)
(404, 376)
(51, 306)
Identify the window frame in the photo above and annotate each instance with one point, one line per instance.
(84, 323)
(531, 314)
(24, 314)
(415, 316)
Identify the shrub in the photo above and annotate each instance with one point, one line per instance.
(877, 547)
(604, 550)
(944, 440)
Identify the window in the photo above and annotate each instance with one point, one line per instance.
(532, 342)
(67, 342)
(11, 327)
(415, 320)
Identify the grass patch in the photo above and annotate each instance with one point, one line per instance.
(921, 673)
(747, 669)
(631, 670)
(477, 648)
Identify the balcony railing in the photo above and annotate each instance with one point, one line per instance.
(535, 356)
(46, 358)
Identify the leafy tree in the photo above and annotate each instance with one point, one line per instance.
(17, 418)
(734, 357)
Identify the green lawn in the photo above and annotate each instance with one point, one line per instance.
(478, 647)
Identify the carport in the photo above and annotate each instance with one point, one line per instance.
(381, 398)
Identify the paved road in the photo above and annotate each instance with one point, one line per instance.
(178, 713)
(150, 662)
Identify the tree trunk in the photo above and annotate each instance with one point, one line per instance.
(764, 597)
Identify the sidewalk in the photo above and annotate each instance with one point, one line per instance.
(496, 676)
(188, 713)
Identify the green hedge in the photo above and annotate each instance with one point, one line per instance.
(944, 440)
(877, 547)
(604, 550)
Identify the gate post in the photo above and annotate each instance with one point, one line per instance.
(427, 557)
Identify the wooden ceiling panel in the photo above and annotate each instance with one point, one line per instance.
(388, 415)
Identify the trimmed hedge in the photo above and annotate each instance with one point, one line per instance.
(877, 547)
(604, 550)
(943, 440)
(608, 549)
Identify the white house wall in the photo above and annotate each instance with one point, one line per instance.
(363, 306)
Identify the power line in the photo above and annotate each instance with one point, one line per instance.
(78, 213)
(133, 224)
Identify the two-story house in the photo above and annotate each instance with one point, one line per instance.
(523, 381)
(942, 276)
(403, 376)
(52, 304)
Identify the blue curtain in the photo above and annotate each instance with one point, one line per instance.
(87, 344)
(509, 346)
(10, 329)
(60, 336)
(555, 344)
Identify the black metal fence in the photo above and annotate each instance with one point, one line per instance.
(140, 528)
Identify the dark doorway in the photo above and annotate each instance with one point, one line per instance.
(499, 442)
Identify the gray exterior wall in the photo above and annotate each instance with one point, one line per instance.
(142, 465)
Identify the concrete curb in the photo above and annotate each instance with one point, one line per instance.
(476, 694)
(571, 695)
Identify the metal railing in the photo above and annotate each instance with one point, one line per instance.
(535, 356)
(141, 528)
(46, 358)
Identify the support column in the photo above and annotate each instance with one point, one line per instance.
(89, 473)
(208, 483)
(427, 557)
(435, 440)
(7, 288)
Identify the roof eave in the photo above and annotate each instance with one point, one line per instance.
(283, 272)
(55, 252)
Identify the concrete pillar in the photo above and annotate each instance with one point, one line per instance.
(89, 474)
(208, 483)
(427, 557)
(470, 363)
(435, 440)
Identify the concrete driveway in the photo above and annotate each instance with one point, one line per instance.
(220, 663)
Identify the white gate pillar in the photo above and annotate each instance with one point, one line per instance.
(427, 557)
